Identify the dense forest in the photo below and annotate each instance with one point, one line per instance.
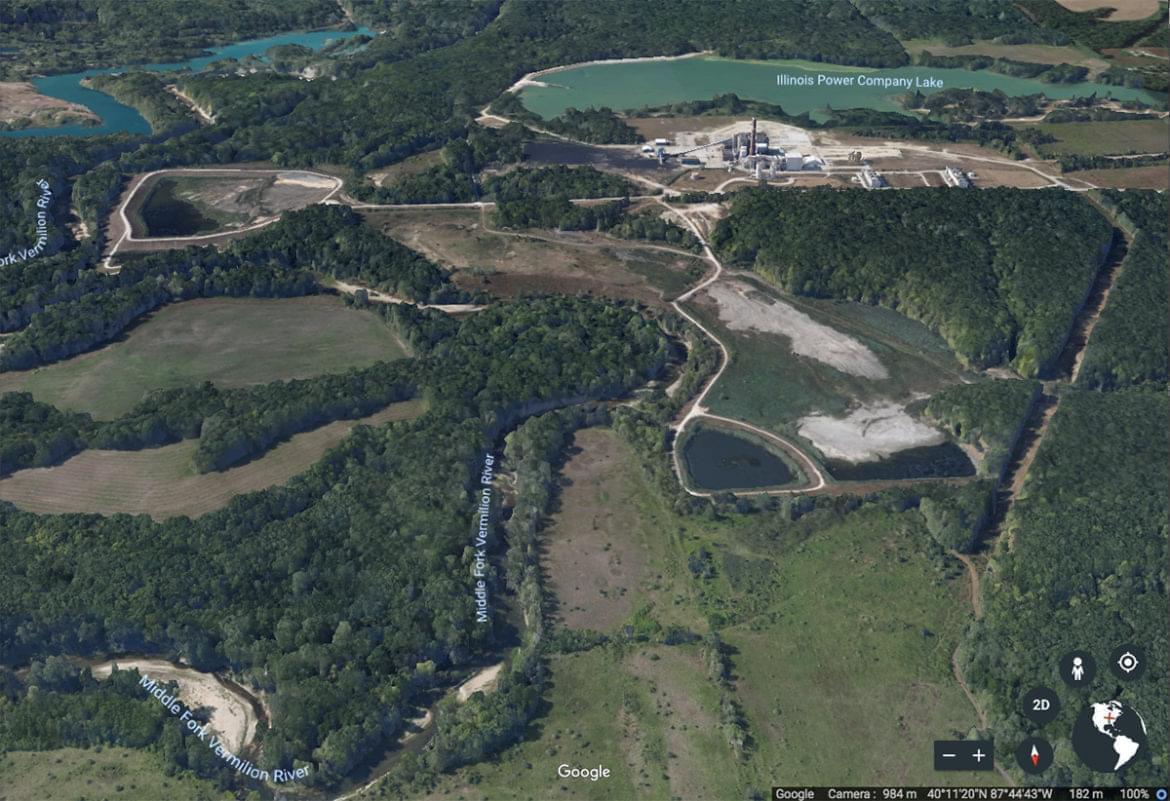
(986, 414)
(569, 182)
(1085, 569)
(343, 591)
(956, 22)
(999, 273)
(1087, 28)
(1129, 344)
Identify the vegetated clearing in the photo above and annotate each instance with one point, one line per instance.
(596, 551)
(105, 772)
(21, 106)
(1123, 10)
(855, 650)
(1108, 137)
(1154, 176)
(231, 342)
(770, 386)
(650, 715)
(161, 482)
(188, 202)
(510, 265)
(412, 165)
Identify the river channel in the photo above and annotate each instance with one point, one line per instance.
(634, 84)
(119, 118)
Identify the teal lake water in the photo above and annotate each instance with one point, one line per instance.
(718, 460)
(119, 118)
(651, 83)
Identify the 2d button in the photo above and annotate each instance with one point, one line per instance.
(1128, 662)
(1034, 755)
(1041, 705)
(1077, 668)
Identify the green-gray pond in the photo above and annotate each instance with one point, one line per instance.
(717, 460)
(635, 84)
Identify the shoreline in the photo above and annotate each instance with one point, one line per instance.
(531, 78)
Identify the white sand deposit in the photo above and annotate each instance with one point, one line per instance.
(740, 311)
(868, 433)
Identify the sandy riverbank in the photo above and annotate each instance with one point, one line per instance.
(231, 711)
(532, 78)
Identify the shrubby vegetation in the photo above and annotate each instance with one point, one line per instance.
(1070, 162)
(728, 105)
(545, 182)
(1129, 342)
(1049, 73)
(600, 126)
(956, 22)
(613, 218)
(1086, 570)
(956, 516)
(999, 273)
(457, 179)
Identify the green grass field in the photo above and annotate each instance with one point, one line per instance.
(230, 342)
(1105, 138)
(846, 679)
(648, 714)
(842, 630)
(70, 774)
(768, 385)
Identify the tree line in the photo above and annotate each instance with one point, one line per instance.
(999, 273)
(82, 309)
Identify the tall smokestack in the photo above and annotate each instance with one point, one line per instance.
(753, 146)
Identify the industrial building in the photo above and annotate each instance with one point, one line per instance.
(871, 179)
(955, 177)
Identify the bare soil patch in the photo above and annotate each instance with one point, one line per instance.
(742, 308)
(160, 482)
(1155, 176)
(231, 712)
(507, 264)
(989, 175)
(1123, 10)
(869, 432)
(593, 554)
(21, 105)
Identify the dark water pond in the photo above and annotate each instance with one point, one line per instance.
(164, 214)
(932, 461)
(717, 460)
